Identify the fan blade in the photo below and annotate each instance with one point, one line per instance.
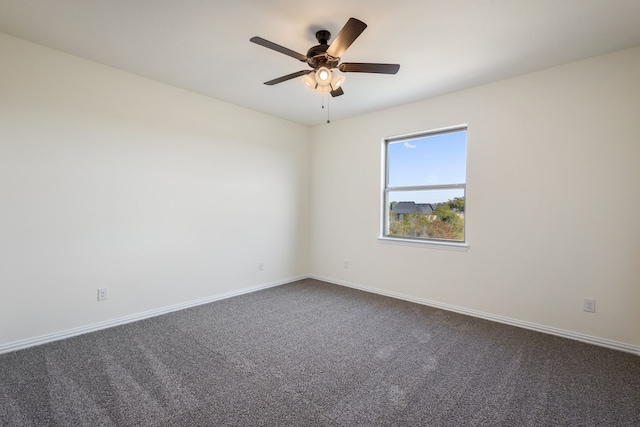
(367, 67)
(337, 92)
(278, 48)
(347, 35)
(287, 77)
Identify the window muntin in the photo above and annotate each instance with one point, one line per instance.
(425, 186)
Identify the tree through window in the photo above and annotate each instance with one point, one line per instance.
(425, 186)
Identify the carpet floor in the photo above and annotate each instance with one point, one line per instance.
(311, 353)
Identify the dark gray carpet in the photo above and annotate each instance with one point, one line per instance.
(311, 353)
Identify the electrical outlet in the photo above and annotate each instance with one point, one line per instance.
(346, 264)
(260, 266)
(102, 294)
(590, 305)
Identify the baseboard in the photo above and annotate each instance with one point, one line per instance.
(615, 345)
(43, 339)
(56, 336)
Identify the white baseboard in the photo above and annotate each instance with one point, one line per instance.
(31, 342)
(495, 318)
(43, 339)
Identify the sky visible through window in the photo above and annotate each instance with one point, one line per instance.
(431, 160)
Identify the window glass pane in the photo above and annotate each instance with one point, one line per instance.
(430, 160)
(426, 214)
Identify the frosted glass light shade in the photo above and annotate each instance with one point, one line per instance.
(310, 81)
(323, 76)
(336, 81)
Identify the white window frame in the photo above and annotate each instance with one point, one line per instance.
(384, 217)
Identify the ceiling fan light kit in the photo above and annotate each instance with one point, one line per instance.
(323, 80)
(324, 58)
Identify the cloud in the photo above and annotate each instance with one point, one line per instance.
(409, 145)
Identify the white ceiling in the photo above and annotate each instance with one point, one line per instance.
(442, 45)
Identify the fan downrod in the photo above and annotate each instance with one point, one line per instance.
(323, 36)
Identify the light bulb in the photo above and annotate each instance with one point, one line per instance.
(323, 76)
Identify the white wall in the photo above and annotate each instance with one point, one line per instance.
(552, 201)
(111, 180)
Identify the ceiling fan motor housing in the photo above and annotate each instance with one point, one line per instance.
(317, 56)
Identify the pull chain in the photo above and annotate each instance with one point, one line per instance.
(328, 104)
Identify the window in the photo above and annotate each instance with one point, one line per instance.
(425, 186)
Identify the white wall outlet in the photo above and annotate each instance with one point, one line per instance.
(590, 305)
(261, 266)
(346, 264)
(102, 294)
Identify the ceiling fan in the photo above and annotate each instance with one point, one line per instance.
(323, 58)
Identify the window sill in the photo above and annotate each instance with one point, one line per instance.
(450, 246)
